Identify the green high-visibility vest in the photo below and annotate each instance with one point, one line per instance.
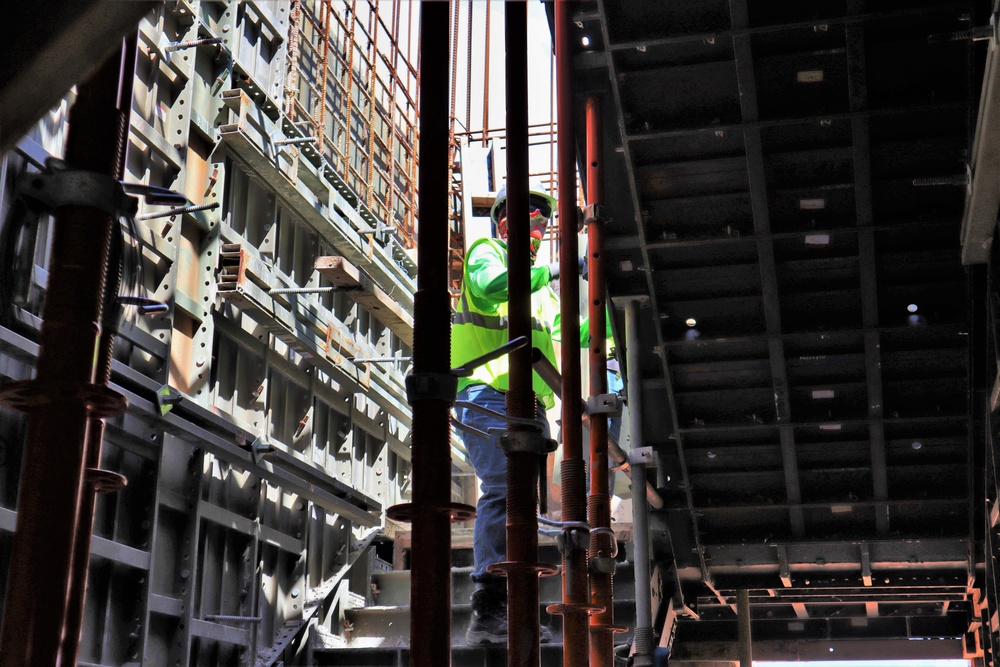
(480, 324)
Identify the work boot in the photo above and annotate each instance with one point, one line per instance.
(488, 624)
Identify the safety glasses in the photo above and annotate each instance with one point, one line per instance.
(541, 204)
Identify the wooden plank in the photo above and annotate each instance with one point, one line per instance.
(372, 298)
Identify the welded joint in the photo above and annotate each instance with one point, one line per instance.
(431, 387)
(642, 456)
(532, 442)
(605, 404)
(62, 186)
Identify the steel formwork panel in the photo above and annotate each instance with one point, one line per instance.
(210, 528)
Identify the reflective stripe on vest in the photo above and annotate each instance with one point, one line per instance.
(492, 322)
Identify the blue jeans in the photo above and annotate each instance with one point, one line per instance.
(489, 535)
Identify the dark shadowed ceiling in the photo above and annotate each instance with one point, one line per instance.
(786, 182)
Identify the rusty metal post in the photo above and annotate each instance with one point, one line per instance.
(743, 627)
(96, 480)
(523, 634)
(602, 544)
(64, 395)
(430, 617)
(575, 605)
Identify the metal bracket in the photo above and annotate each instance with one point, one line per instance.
(166, 398)
(259, 448)
(145, 306)
(431, 387)
(532, 442)
(602, 565)
(641, 456)
(605, 404)
(619, 301)
(61, 186)
(595, 213)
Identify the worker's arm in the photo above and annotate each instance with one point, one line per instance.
(487, 275)
(584, 330)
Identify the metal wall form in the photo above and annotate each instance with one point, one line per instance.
(212, 554)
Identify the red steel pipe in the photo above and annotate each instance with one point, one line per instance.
(522, 467)
(95, 433)
(41, 562)
(599, 503)
(430, 618)
(573, 494)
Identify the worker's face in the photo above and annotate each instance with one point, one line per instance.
(538, 223)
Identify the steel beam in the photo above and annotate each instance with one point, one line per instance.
(765, 251)
(857, 82)
(650, 284)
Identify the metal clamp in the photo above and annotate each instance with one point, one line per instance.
(61, 186)
(605, 404)
(602, 565)
(570, 534)
(642, 456)
(532, 442)
(431, 387)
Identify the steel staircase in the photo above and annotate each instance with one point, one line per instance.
(376, 630)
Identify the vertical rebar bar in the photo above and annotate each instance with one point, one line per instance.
(644, 644)
(430, 620)
(522, 467)
(486, 77)
(41, 561)
(599, 503)
(573, 494)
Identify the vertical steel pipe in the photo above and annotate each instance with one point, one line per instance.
(430, 618)
(522, 467)
(743, 627)
(41, 562)
(599, 502)
(573, 494)
(102, 374)
(644, 643)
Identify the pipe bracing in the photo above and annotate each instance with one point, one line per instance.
(521, 567)
(550, 374)
(430, 617)
(575, 607)
(644, 643)
(602, 542)
(64, 396)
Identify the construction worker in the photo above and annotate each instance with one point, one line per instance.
(480, 326)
